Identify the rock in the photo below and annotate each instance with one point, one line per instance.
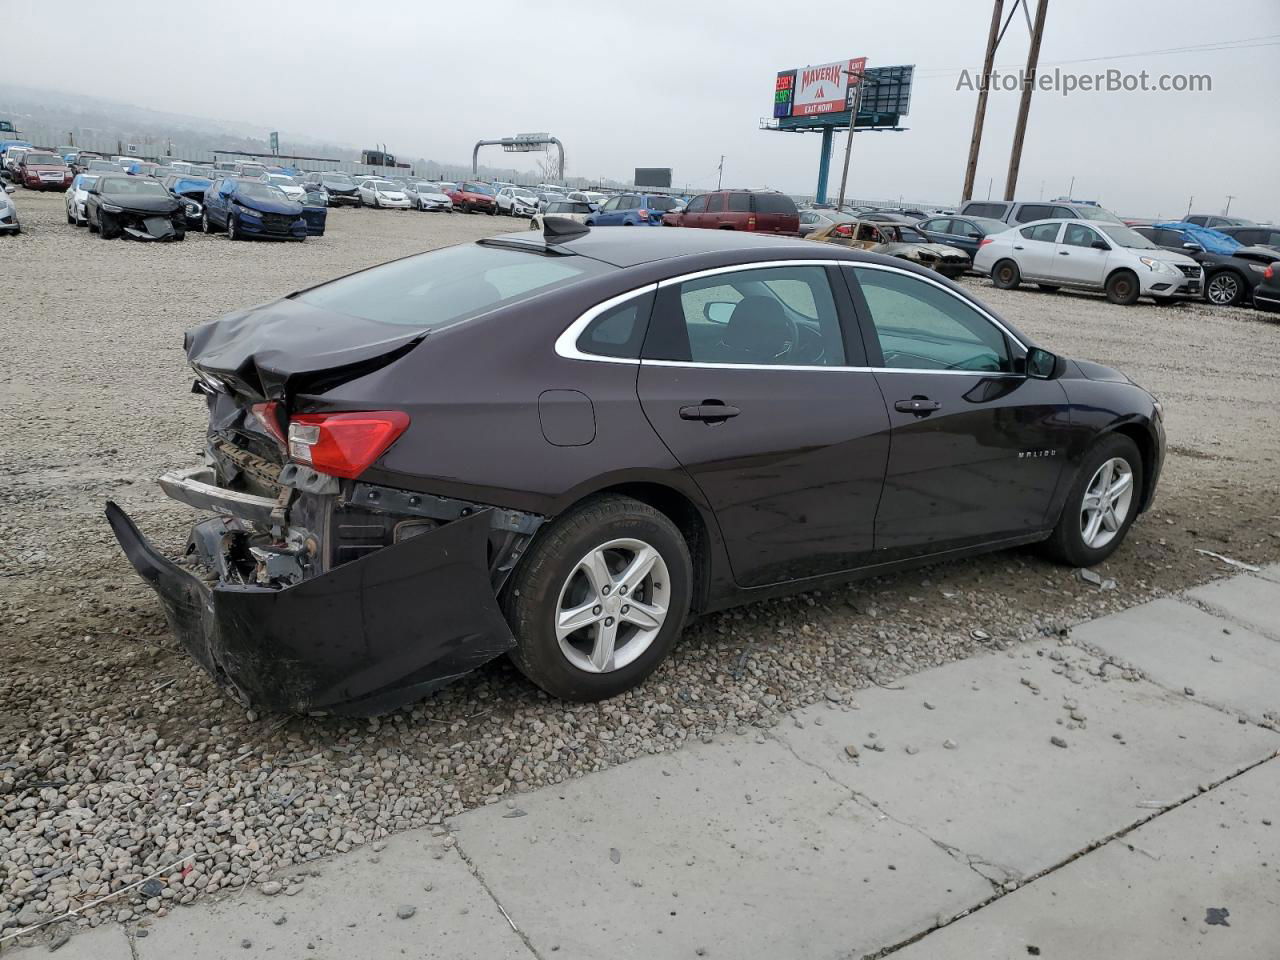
(911, 750)
(834, 695)
(615, 854)
(950, 744)
(59, 940)
(852, 751)
(405, 911)
(152, 888)
(271, 888)
(1058, 742)
(30, 914)
(1188, 691)
(246, 944)
(1084, 575)
(928, 705)
(280, 920)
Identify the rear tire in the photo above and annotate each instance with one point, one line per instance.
(1123, 288)
(1006, 275)
(1068, 543)
(551, 574)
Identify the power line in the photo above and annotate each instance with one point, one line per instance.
(1248, 43)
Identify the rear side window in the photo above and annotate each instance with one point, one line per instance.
(618, 332)
(996, 210)
(1046, 232)
(1063, 213)
(774, 203)
(1034, 211)
(739, 203)
(435, 289)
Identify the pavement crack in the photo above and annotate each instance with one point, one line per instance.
(132, 942)
(475, 872)
(972, 861)
(1222, 613)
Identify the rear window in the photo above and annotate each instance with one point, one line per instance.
(774, 203)
(663, 203)
(995, 210)
(435, 289)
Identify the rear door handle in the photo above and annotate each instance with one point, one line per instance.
(1016, 247)
(1064, 253)
(920, 406)
(709, 412)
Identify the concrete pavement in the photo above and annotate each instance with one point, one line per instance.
(1045, 797)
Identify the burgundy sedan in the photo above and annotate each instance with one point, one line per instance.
(560, 445)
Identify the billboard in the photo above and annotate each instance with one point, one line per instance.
(653, 177)
(809, 91)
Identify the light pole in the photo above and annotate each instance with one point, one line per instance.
(1227, 209)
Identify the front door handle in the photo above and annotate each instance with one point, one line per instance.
(710, 411)
(1064, 253)
(1016, 247)
(920, 406)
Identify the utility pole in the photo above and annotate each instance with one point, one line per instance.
(975, 141)
(1024, 106)
(720, 172)
(1227, 209)
(848, 146)
(1190, 200)
(1071, 190)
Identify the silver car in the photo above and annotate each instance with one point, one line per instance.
(9, 222)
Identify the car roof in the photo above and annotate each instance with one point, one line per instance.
(629, 248)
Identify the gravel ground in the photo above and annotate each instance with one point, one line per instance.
(119, 761)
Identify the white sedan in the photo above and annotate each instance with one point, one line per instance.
(291, 187)
(569, 209)
(383, 193)
(76, 195)
(1090, 255)
(589, 196)
(517, 202)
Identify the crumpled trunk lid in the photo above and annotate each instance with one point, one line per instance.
(270, 351)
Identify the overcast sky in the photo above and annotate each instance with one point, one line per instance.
(677, 84)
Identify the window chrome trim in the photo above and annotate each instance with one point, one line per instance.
(567, 342)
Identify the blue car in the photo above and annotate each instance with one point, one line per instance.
(247, 207)
(315, 210)
(633, 210)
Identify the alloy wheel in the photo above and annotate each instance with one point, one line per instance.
(1223, 289)
(612, 605)
(1106, 503)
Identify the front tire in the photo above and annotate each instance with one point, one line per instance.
(233, 228)
(599, 598)
(1006, 275)
(1225, 289)
(1101, 505)
(1123, 288)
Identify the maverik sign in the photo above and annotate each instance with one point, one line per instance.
(819, 89)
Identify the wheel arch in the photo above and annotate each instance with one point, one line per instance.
(1121, 268)
(1140, 434)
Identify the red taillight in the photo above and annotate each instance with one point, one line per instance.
(1268, 273)
(751, 222)
(268, 415)
(985, 241)
(344, 444)
(644, 214)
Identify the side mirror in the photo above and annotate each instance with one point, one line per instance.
(1040, 364)
(1100, 245)
(974, 235)
(718, 312)
(1192, 246)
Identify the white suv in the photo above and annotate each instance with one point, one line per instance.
(1094, 256)
(517, 202)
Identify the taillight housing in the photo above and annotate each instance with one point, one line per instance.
(268, 415)
(984, 241)
(1268, 273)
(344, 444)
(751, 222)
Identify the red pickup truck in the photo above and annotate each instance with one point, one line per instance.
(758, 211)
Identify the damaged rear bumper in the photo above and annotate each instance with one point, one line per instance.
(363, 638)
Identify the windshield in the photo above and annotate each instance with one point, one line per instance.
(102, 165)
(86, 180)
(476, 188)
(435, 289)
(523, 193)
(44, 158)
(199, 172)
(1128, 238)
(1096, 213)
(132, 187)
(337, 179)
(280, 178)
(258, 190)
(383, 186)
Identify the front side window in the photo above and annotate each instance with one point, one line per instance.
(766, 317)
(1076, 235)
(697, 205)
(921, 326)
(612, 204)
